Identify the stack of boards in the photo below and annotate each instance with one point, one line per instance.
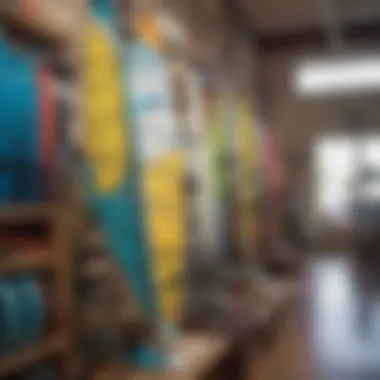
(27, 158)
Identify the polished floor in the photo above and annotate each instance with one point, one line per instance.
(335, 334)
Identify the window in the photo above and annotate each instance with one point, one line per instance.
(346, 169)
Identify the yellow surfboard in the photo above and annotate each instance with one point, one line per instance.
(162, 167)
(247, 165)
(104, 145)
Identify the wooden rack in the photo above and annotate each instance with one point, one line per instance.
(58, 264)
(53, 24)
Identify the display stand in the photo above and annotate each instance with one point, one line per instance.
(54, 25)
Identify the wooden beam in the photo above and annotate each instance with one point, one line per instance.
(24, 263)
(315, 37)
(25, 214)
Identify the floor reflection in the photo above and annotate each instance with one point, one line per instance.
(343, 300)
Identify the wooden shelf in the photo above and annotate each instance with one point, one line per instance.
(24, 263)
(51, 20)
(195, 355)
(30, 356)
(26, 213)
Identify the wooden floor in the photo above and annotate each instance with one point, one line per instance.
(334, 333)
(287, 358)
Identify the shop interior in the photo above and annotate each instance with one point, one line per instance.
(189, 189)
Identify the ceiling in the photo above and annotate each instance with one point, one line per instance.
(279, 23)
(290, 20)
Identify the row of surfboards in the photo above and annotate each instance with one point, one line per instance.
(136, 166)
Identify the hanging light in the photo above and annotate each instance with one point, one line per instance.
(338, 75)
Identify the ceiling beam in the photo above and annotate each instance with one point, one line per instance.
(353, 33)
